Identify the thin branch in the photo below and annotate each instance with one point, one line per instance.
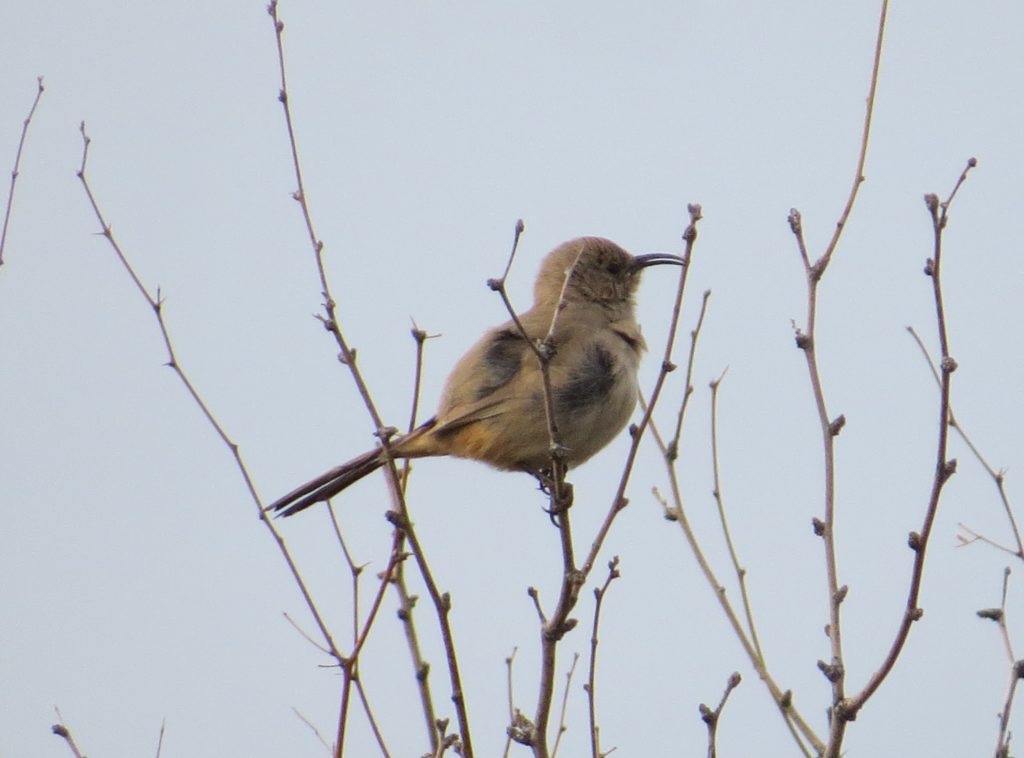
(17, 164)
(998, 477)
(156, 305)
(741, 573)
(350, 666)
(62, 731)
(710, 717)
(302, 632)
(944, 467)
(543, 352)
(590, 686)
(797, 725)
(313, 728)
(572, 580)
(400, 516)
(553, 629)
(1016, 670)
(834, 670)
(374, 726)
(160, 740)
(511, 700)
(858, 177)
(667, 366)
(562, 728)
(407, 601)
(673, 445)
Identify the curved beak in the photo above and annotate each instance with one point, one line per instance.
(656, 259)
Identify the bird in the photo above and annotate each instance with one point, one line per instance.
(493, 406)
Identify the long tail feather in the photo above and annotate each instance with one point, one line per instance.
(327, 485)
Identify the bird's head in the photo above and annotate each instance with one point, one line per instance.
(593, 269)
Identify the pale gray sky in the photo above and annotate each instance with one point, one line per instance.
(135, 581)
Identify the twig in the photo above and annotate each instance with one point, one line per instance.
(543, 352)
(407, 601)
(834, 670)
(741, 573)
(667, 366)
(17, 164)
(590, 686)
(511, 700)
(1016, 669)
(944, 468)
(62, 731)
(313, 728)
(156, 305)
(565, 704)
(160, 741)
(554, 628)
(710, 717)
(355, 570)
(350, 665)
(421, 668)
(559, 622)
(400, 517)
(673, 445)
(797, 725)
(998, 477)
(374, 726)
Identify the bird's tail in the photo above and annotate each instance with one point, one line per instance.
(327, 485)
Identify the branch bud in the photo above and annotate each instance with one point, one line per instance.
(836, 426)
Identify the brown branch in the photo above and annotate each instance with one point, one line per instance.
(667, 366)
(590, 686)
(556, 626)
(156, 305)
(62, 731)
(710, 717)
(350, 665)
(797, 725)
(553, 629)
(160, 739)
(543, 352)
(347, 355)
(562, 728)
(673, 445)
(407, 601)
(998, 477)
(834, 670)
(511, 701)
(313, 729)
(17, 164)
(1016, 669)
(741, 573)
(944, 468)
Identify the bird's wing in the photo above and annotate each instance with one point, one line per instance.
(459, 417)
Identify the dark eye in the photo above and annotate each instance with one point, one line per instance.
(614, 267)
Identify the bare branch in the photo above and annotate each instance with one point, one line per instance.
(400, 515)
(805, 340)
(62, 731)
(998, 477)
(156, 305)
(17, 165)
(565, 704)
(710, 717)
(944, 467)
(590, 686)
